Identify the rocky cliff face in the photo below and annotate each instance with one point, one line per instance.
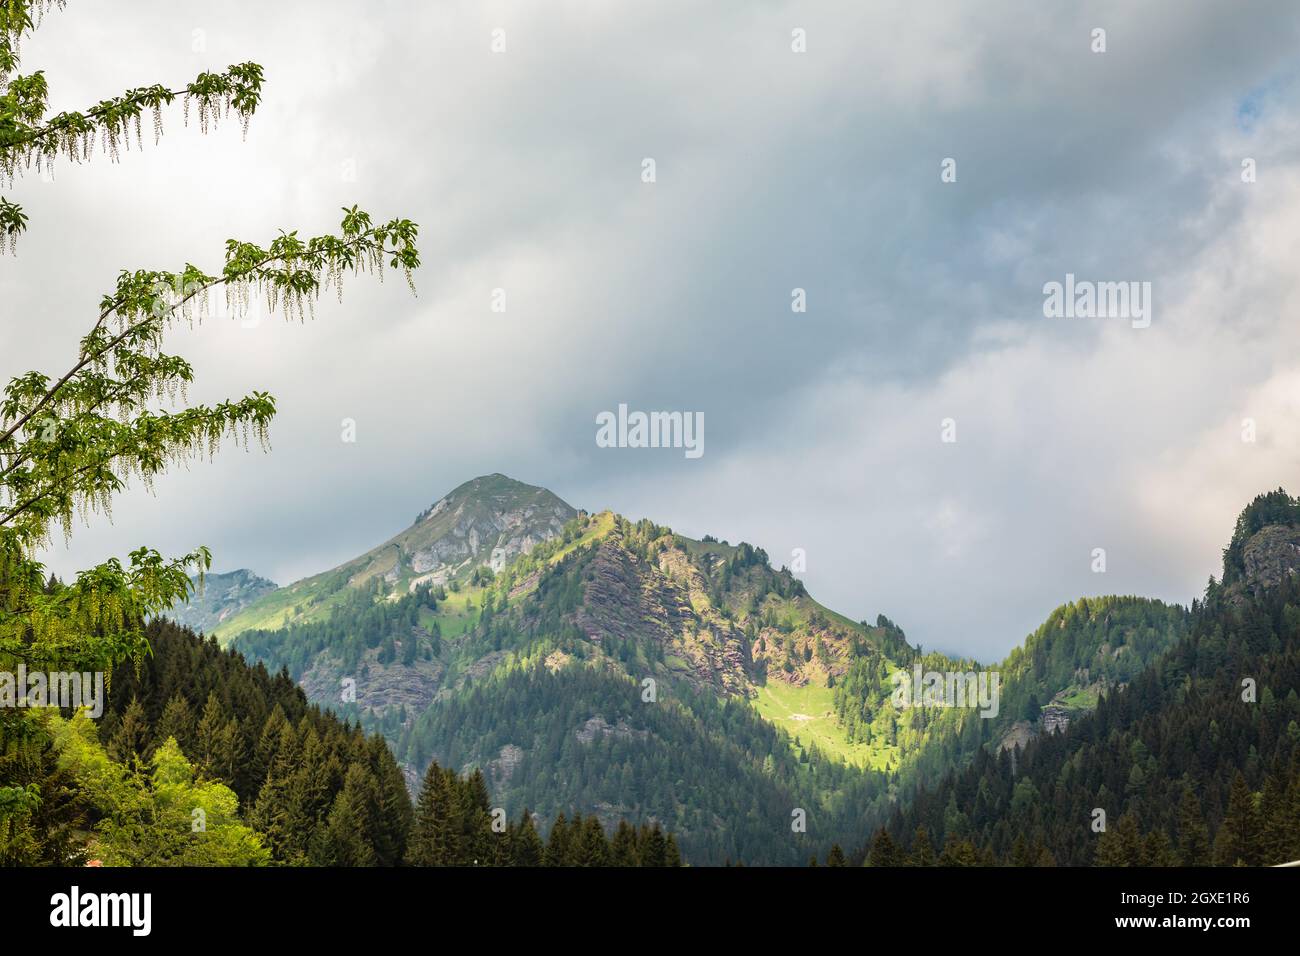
(626, 598)
(1271, 556)
(717, 623)
(376, 687)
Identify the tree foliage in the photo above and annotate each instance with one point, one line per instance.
(71, 441)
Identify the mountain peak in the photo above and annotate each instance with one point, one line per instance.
(495, 491)
(487, 521)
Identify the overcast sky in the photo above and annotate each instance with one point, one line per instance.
(775, 170)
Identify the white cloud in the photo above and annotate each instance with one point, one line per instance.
(776, 170)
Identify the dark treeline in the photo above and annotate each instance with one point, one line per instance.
(311, 788)
(456, 826)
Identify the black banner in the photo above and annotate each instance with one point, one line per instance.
(932, 906)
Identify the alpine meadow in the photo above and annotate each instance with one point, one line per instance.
(990, 560)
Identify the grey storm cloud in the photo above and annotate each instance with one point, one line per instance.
(775, 171)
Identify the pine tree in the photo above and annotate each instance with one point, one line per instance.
(177, 721)
(623, 845)
(1120, 845)
(884, 852)
(592, 848)
(209, 746)
(1238, 840)
(1276, 835)
(672, 855)
(654, 851)
(475, 820)
(268, 741)
(278, 813)
(349, 833)
(1023, 854)
(922, 849)
(312, 787)
(836, 856)
(432, 841)
(503, 845)
(394, 813)
(1158, 850)
(958, 852)
(527, 844)
(559, 843)
(1193, 837)
(1290, 821)
(130, 742)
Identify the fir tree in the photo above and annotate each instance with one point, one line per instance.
(922, 849)
(1120, 845)
(130, 742)
(591, 847)
(348, 838)
(432, 841)
(672, 855)
(559, 850)
(958, 852)
(1193, 838)
(1238, 840)
(177, 721)
(623, 845)
(654, 848)
(527, 844)
(884, 852)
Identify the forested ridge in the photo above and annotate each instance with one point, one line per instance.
(1196, 761)
(203, 759)
(535, 675)
(542, 686)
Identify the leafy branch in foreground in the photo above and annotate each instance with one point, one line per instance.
(68, 445)
(29, 139)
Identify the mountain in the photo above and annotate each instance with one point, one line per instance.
(484, 523)
(538, 674)
(1195, 760)
(219, 597)
(614, 667)
(612, 672)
